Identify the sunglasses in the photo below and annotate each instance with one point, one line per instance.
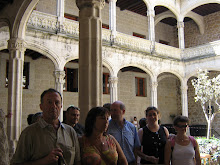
(182, 126)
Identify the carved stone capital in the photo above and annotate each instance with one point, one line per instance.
(151, 13)
(59, 75)
(90, 3)
(184, 89)
(113, 80)
(180, 24)
(154, 84)
(16, 44)
(114, 1)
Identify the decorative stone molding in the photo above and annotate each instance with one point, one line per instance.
(106, 35)
(60, 75)
(180, 24)
(113, 80)
(47, 22)
(154, 85)
(201, 51)
(16, 44)
(70, 27)
(130, 42)
(96, 3)
(40, 20)
(167, 51)
(151, 13)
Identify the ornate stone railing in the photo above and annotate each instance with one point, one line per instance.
(202, 51)
(166, 51)
(49, 23)
(4, 33)
(70, 27)
(131, 42)
(43, 21)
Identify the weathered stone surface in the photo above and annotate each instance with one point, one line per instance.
(4, 151)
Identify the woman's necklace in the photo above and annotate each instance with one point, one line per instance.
(181, 138)
(98, 141)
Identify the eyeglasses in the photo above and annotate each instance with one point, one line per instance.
(182, 126)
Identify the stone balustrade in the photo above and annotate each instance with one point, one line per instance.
(49, 23)
(133, 43)
(166, 51)
(202, 51)
(43, 21)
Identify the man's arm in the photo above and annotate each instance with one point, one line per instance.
(52, 157)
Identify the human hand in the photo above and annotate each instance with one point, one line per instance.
(153, 159)
(54, 155)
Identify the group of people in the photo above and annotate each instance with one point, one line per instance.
(102, 141)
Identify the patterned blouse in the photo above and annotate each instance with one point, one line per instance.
(90, 155)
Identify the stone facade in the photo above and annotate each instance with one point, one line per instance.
(167, 69)
(212, 31)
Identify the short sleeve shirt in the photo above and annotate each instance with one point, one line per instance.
(127, 138)
(40, 138)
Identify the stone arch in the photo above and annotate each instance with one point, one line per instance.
(71, 59)
(108, 65)
(18, 19)
(148, 3)
(198, 20)
(47, 52)
(138, 66)
(168, 6)
(166, 76)
(197, 3)
(195, 72)
(164, 15)
(174, 73)
(4, 22)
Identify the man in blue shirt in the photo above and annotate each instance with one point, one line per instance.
(124, 132)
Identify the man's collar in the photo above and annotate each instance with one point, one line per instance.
(44, 124)
(124, 121)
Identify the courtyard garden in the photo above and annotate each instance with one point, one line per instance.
(210, 146)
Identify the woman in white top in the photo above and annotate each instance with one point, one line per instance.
(182, 149)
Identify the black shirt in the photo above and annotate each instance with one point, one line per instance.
(79, 129)
(153, 144)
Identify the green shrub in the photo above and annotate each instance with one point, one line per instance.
(210, 146)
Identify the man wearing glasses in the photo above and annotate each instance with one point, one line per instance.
(72, 119)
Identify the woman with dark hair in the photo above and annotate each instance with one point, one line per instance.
(153, 138)
(97, 148)
(182, 149)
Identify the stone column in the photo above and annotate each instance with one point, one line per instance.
(184, 98)
(59, 79)
(154, 93)
(4, 153)
(113, 82)
(112, 18)
(90, 54)
(151, 26)
(16, 49)
(180, 26)
(60, 13)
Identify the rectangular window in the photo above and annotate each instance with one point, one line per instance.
(105, 83)
(71, 80)
(25, 80)
(72, 17)
(140, 86)
(164, 42)
(139, 35)
(105, 26)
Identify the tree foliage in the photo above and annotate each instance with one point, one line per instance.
(207, 91)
